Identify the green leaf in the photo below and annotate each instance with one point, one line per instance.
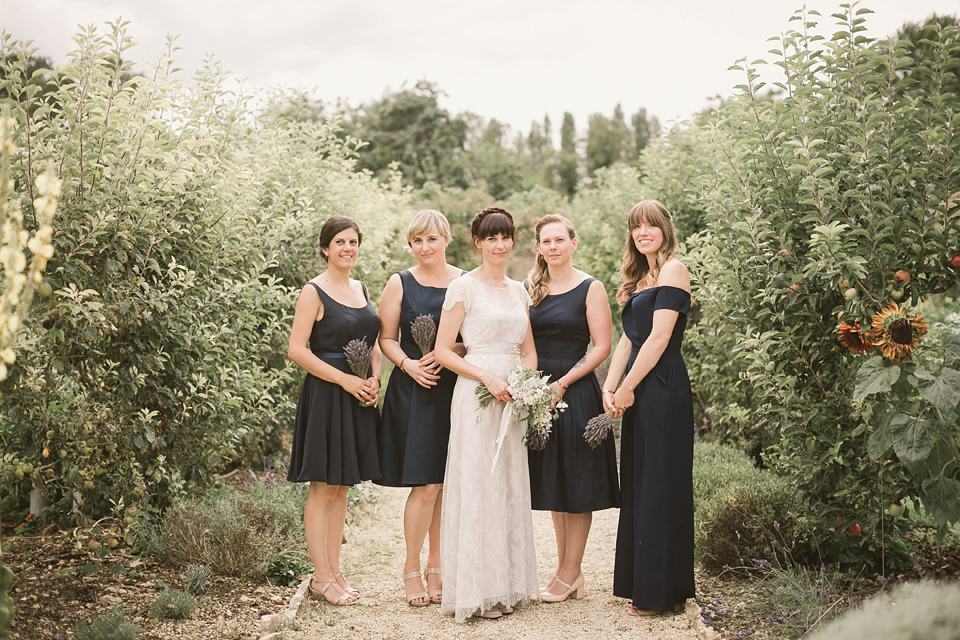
(880, 441)
(874, 377)
(942, 499)
(913, 437)
(943, 391)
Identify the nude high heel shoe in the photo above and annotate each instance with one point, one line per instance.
(576, 589)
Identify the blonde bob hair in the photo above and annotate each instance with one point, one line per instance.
(637, 272)
(539, 275)
(424, 221)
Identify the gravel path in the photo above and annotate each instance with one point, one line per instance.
(373, 562)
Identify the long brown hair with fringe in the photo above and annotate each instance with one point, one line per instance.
(636, 271)
(539, 276)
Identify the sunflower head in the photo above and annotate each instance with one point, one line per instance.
(853, 338)
(897, 333)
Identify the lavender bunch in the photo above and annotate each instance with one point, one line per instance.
(359, 355)
(598, 428)
(424, 332)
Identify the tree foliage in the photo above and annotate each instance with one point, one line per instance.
(187, 226)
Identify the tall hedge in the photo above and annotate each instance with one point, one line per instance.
(187, 225)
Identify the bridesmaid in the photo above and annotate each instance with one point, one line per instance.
(416, 408)
(654, 557)
(334, 440)
(569, 311)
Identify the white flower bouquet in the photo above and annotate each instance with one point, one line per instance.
(532, 397)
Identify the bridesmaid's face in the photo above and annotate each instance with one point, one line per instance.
(343, 249)
(495, 249)
(647, 238)
(555, 244)
(430, 247)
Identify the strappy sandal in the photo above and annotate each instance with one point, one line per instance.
(416, 596)
(345, 599)
(339, 576)
(436, 595)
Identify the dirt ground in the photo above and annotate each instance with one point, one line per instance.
(373, 562)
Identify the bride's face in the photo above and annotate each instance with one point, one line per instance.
(495, 249)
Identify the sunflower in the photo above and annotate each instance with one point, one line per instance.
(853, 338)
(896, 333)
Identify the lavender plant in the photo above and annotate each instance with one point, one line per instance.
(598, 428)
(424, 332)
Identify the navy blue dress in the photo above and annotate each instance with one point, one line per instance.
(568, 476)
(654, 558)
(335, 439)
(415, 426)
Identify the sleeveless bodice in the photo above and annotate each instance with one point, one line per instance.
(340, 324)
(559, 323)
(418, 300)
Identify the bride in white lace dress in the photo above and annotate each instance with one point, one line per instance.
(486, 526)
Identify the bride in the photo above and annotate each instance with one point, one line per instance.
(487, 552)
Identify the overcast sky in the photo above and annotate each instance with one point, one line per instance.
(513, 60)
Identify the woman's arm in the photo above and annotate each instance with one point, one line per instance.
(450, 322)
(618, 366)
(391, 302)
(673, 274)
(309, 309)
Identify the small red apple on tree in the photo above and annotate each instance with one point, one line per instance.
(854, 529)
(902, 276)
(955, 261)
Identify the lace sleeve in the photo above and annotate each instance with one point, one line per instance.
(458, 291)
(525, 295)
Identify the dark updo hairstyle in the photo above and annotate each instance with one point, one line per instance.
(333, 226)
(492, 221)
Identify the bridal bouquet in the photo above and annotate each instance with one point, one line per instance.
(532, 398)
(359, 356)
(424, 332)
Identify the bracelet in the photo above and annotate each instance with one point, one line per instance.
(405, 358)
(562, 385)
(607, 391)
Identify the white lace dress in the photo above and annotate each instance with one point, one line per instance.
(487, 547)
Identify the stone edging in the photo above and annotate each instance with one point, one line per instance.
(271, 626)
(693, 612)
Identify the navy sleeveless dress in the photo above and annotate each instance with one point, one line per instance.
(335, 439)
(568, 476)
(415, 426)
(654, 558)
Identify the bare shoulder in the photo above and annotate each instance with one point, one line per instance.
(674, 274)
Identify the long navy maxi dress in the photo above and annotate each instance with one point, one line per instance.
(335, 439)
(654, 557)
(568, 476)
(415, 426)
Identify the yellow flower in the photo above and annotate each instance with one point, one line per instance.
(853, 338)
(897, 333)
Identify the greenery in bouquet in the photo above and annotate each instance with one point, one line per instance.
(532, 400)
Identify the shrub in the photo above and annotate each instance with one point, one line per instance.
(824, 203)
(234, 532)
(195, 579)
(187, 224)
(172, 604)
(910, 611)
(289, 566)
(7, 608)
(109, 626)
(743, 514)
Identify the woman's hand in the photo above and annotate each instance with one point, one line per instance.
(497, 388)
(371, 388)
(622, 400)
(558, 391)
(423, 371)
(608, 401)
